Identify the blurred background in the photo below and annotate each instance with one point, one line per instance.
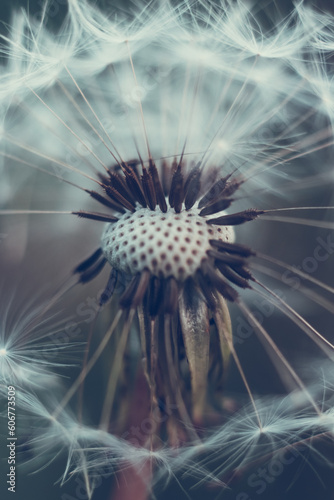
(299, 480)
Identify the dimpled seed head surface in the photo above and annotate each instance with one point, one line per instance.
(168, 244)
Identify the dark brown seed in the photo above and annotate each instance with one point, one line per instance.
(92, 272)
(126, 299)
(232, 248)
(103, 178)
(155, 295)
(192, 187)
(232, 187)
(104, 201)
(135, 186)
(225, 257)
(232, 276)
(215, 207)
(242, 271)
(148, 189)
(166, 177)
(219, 283)
(171, 296)
(236, 219)
(117, 181)
(159, 193)
(133, 165)
(135, 291)
(214, 192)
(142, 287)
(95, 216)
(84, 265)
(207, 290)
(110, 288)
(176, 194)
(114, 194)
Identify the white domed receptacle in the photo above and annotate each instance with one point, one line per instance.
(168, 244)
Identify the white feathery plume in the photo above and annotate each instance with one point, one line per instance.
(33, 345)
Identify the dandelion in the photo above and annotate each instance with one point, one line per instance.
(175, 145)
(30, 347)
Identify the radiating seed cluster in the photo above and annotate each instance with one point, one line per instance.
(168, 244)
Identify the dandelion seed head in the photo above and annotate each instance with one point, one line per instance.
(232, 106)
(168, 244)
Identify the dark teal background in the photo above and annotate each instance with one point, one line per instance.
(298, 482)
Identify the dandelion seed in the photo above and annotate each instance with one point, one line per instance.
(32, 345)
